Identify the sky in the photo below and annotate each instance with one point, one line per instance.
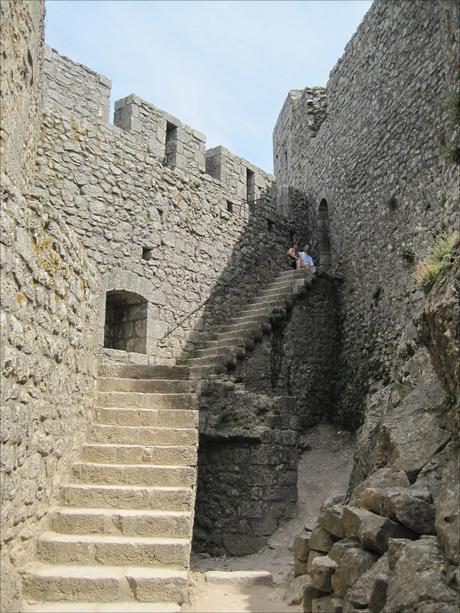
(222, 67)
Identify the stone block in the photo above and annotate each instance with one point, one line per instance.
(321, 540)
(370, 589)
(418, 582)
(447, 512)
(372, 530)
(322, 570)
(330, 518)
(300, 568)
(295, 589)
(310, 592)
(312, 554)
(398, 504)
(302, 546)
(353, 563)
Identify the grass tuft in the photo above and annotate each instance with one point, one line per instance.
(428, 270)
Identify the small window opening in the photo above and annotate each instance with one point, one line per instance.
(171, 145)
(125, 322)
(269, 225)
(250, 185)
(229, 206)
(147, 253)
(324, 240)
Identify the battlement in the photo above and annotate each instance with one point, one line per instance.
(74, 89)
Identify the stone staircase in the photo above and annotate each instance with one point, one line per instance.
(222, 347)
(121, 538)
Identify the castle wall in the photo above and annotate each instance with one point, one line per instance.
(21, 30)
(378, 162)
(173, 234)
(48, 313)
(298, 357)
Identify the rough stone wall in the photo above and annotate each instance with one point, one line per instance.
(247, 468)
(166, 234)
(378, 162)
(48, 313)
(298, 357)
(21, 30)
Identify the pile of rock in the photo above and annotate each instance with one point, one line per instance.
(378, 552)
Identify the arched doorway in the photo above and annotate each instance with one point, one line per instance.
(324, 240)
(125, 321)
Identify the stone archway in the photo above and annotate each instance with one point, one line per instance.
(324, 239)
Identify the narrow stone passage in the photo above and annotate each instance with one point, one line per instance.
(324, 470)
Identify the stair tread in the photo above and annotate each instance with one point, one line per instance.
(142, 466)
(128, 606)
(60, 537)
(136, 446)
(100, 572)
(163, 488)
(123, 512)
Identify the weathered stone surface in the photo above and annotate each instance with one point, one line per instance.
(326, 604)
(310, 592)
(322, 569)
(330, 518)
(353, 563)
(418, 580)
(302, 546)
(370, 589)
(383, 477)
(295, 590)
(312, 554)
(399, 505)
(447, 511)
(372, 530)
(321, 540)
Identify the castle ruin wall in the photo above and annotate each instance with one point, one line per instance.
(48, 316)
(377, 164)
(174, 234)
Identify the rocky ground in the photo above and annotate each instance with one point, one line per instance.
(324, 471)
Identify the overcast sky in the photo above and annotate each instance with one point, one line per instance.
(224, 68)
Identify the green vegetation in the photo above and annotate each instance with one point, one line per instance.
(450, 146)
(428, 269)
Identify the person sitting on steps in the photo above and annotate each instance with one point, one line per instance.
(293, 254)
(306, 261)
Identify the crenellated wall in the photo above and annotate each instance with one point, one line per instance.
(155, 222)
(375, 153)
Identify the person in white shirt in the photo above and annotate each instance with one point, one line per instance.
(306, 261)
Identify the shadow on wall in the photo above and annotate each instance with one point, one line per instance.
(255, 260)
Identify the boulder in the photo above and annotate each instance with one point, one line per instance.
(321, 540)
(383, 477)
(300, 568)
(310, 592)
(398, 504)
(353, 563)
(418, 580)
(302, 546)
(312, 554)
(322, 569)
(372, 530)
(369, 591)
(295, 589)
(330, 518)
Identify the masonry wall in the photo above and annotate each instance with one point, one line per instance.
(169, 232)
(381, 161)
(247, 468)
(298, 357)
(48, 314)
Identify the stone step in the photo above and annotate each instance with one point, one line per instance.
(270, 301)
(211, 360)
(133, 474)
(163, 386)
(113, 550)
(133, 435)
(168, 455)
(163, 418)
(225, 350)
(132, 371)
(141, 400)
(286, 274)
(241, 336)
(101, 607)
(126, 497)
(241, 326)
(251, 318)
(127, 522)
(278, 288)
(74, 583)
(202, 372)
